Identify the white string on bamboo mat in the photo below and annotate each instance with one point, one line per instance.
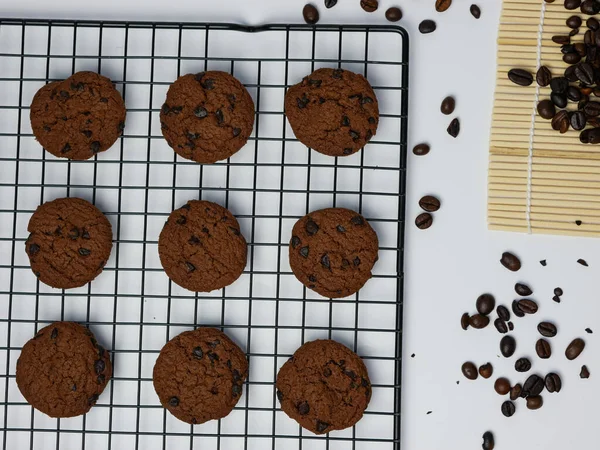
(533, 117)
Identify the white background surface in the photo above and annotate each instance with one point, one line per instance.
(448, 266)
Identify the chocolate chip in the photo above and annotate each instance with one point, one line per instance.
(77, 86)
(33, 249)
(236, 132)
(54, 333)
(302, 102)
(93, 399)
(311, 227)
(372, 120)
(356, 262)
(200, 112)
(95, 147)
(198, 353)
(337, 73)
(295, 241)
(304, 252)
(316, 83)
(65, 94)
(99, 366)
(173, 401)
(327, 372)
(303, 408)
(199, 76)
(357, 220)
(322, 426)
(325, 261)
(74, 233)
(312, 278)
(345, 121)
(366, 100)
(84, 251)
(181, 220)
(87, 133)
(103, 100)
(190, 267)
(236, 390)
(213, 357)
(100, 379)
(354, 135)
(279, 395)
(208, 84)
(348, 151)
(219, 115)
(66, 148)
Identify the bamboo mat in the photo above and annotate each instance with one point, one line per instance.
(539, 180)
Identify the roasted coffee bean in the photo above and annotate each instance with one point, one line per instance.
(464, 321)
(310, 14)
(543, 77)
(485, 304)
(501, 326)
(543, 349)
(560, 100)
(574, 349)
(442, 5)
(516, 309)
(454, 128)
(528, 306)
(533, 386)
(580, 48)
(573, 94)
(574, 22)
(428, 26)
(553, 383)
(593, 24)
(421, 149)
(592, 109)
(523, 290)
(558, 291)
(488, 441)
(571, 58)
(393, 14)
(585, 73)
(510, 261)
(515, 391)
(522, 365)
(590, 136)
(546, 109)
(559, 85)
(503, 312)
(590, 7)
(429, 203)
(520, 77)
(588, 331)
(479, 321)
(511, 327)
(508, 408)
(475, 11)
(585, 373)
(508, 346)
(534, 402)
(369, 5)
(330, 3)
(583, 262)
(570, 74)
(424, 221)
(448, 105)
(578, 120)
(502, 386)
(547, 329)
(469, 370)
(486, 370)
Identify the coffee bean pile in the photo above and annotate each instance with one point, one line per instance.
(531, 390)
(429, 204)
(570, 104)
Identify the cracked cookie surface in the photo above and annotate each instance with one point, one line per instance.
(325, 386)
(69, 243)
(78, 117)
(201, 247)
(199, 375)
(332, 251)
(333, 111)
(63, 370)
(207, 117)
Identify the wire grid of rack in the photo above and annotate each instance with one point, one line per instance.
(132, 307)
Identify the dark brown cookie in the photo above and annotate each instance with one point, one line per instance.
(324, 387)
(63, 370)
(199, 375)
(332, 251)
(207, 117)
(333, 111)
(69, 242)
(78, 117)
(201, 247)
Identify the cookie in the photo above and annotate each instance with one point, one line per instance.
(63, 370)
(207, 117)
(332, 251)
(333, 111)
(79, 117)
(199, 375)
(69, 242)
(324, 387)
(201, 247)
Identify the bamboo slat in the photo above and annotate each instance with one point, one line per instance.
(540, 181)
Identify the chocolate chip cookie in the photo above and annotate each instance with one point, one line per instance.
(333, 111)
(79, 117)
(324, 387)
(201, 247)
(63, 370)
(207, 117)
(199, 375)
(69, 242)
(332, 251)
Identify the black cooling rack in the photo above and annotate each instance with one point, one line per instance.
(132, 307)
